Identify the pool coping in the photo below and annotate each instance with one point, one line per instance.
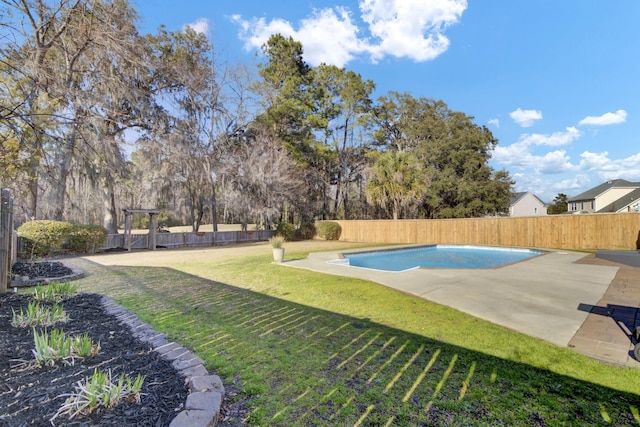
(541, 252)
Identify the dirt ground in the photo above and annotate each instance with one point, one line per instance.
(163, 257)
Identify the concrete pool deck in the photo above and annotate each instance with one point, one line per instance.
(558, 297)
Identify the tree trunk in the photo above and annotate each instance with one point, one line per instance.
(110, 218)
(32, 196)
(198, 218)
(214, 210)
(336, 202)
(60, 185)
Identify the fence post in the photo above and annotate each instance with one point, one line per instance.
(6, 235)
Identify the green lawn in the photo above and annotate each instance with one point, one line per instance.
(304, 348)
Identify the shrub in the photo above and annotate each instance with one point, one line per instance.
(276, 242)
(86, 238)
(42, 237)
(329, 230)
(306, 231)
(285, 230)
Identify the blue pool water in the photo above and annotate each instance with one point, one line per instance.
(438, 256)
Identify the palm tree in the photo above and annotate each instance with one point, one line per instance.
(396, 180)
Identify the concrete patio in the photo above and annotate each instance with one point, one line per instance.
(567, 298)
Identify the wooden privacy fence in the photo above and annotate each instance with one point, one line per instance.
(571, 232)
(174, 240)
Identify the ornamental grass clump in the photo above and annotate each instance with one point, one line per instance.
(276, 242)
(100, 391)
(51, 347)
(83, 346)
(56, 346)
(54, 291)
(38, 315)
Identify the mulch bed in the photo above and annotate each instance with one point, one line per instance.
(31, 395)
(40, 269)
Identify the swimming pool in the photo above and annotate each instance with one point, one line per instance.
(436, 256)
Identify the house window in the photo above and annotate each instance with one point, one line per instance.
(535, 210)
(574, 206)
(593, 203)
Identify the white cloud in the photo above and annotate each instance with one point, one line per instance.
(411, 29)
(595, 161)
(606, 168)
(618, 117)
(517, 155)
(494, 122)
(578, 183)
(520, 154)
(201, 25)
(326, 36)
(554, 162)
(525, 118)
(555, 139)
(329, 38)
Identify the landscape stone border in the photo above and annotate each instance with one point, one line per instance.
(206, 392)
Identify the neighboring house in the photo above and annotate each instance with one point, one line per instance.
(526, 204)
(612, 196)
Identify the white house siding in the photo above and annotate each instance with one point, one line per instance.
(632, 206)
(528, 205)
(607, 198)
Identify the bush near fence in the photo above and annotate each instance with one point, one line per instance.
(46, 237)
(572, 232)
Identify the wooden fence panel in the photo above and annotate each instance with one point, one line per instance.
(573, 232)
(189, 239)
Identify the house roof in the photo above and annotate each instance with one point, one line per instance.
(596, 191)
(516, 197)
(622, 202)
(520, 195)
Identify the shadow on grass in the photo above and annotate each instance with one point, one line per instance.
(297, 365)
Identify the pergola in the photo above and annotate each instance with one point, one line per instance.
(153, 226)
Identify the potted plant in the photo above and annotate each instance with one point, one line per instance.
(278, 251)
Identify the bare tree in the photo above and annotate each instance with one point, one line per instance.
(259, 176)
(206, 98)
(85, 70)
(38, 25)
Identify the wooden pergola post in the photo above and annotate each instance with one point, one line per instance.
(153, 221)
(127, 229)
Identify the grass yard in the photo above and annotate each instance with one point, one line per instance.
(304, 348)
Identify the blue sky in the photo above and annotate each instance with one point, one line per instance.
(556, 82)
